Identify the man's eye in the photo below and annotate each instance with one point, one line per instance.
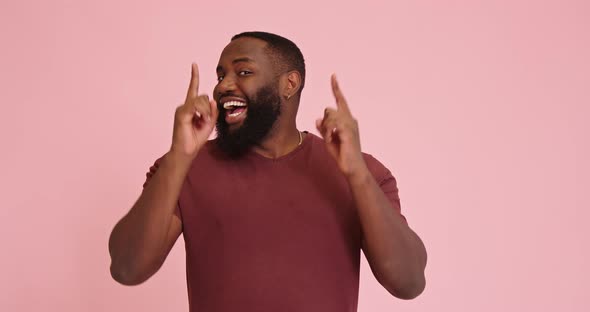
(219, 78)
(244, 72)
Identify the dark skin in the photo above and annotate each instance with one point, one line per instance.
(244, 67)
(141, 241)
(395, 253)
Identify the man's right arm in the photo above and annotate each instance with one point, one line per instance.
(141, 241)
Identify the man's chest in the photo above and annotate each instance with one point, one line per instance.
(267, 207)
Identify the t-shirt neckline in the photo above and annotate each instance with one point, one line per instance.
(306, 141)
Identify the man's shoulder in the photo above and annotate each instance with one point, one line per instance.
(369, 158)
(209, 153)
(376, 167)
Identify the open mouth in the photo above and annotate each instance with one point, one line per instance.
(235, 111)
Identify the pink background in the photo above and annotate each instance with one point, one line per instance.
(480, 108)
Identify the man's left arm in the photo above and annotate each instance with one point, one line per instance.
(395, 253)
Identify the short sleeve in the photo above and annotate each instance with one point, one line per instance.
(386, 181)
(151, 173)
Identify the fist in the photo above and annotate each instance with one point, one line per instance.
(194, 120)
(341, 134)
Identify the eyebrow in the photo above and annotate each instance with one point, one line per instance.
(238, 60)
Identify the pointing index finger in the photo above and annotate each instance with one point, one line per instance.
(193, 88)
(340, 100)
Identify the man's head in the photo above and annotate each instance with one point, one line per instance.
(260, 77)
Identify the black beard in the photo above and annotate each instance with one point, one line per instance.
(263, 112)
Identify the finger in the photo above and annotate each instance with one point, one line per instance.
(329, 112)
(329, 115)
(193, 87)
(340, 100)
(330, 130)
(213, 109)
(202, 107)
(318, 124)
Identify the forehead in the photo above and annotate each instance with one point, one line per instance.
(245, 47)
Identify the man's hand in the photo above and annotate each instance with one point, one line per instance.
(395, 253)
(341, 134)
(194, 120)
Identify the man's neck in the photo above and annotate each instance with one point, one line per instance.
(279, 143)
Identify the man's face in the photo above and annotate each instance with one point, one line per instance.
(246, 94)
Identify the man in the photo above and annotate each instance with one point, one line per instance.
(273, 218)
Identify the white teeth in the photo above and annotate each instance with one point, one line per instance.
(233, 103)
(236, 114)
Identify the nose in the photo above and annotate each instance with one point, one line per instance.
(226, 85)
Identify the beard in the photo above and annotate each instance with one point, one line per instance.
(263, 112)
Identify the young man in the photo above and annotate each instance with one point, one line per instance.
(273, 218)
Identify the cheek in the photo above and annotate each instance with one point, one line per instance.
(248, 90)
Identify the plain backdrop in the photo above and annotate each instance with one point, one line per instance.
(479, 108)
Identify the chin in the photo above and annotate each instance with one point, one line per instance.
(234, 127)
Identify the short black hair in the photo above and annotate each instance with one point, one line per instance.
(286, 53)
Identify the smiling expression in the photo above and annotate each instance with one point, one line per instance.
(247, 95)
(243, 69)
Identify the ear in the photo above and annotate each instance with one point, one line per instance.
(291, 82)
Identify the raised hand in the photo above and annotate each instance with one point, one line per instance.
(341, 134)
(194, 120)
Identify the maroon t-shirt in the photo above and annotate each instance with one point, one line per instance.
(273, 234)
